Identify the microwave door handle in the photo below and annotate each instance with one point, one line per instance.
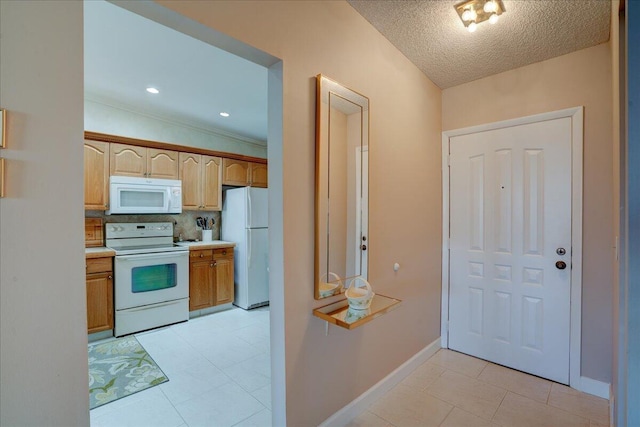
(168, 204)
(155, 255)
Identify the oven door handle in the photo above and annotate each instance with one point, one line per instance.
(155, 255)
(151, 306)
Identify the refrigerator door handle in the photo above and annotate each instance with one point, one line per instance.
(249, 247)
(250, 224)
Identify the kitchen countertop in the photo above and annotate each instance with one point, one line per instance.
(99, 252)
(213, 244)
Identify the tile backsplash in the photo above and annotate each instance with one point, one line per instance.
(184, 223)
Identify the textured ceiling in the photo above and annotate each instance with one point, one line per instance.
(431, 35)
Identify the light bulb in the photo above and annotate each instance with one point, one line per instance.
(469, 15)
(153, 90)
(493, 18)
(490, 6)
(472, 27)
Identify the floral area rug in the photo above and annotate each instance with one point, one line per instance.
(119, 368)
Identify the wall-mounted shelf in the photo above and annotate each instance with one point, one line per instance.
(339, 313)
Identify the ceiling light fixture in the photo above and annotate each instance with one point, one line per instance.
(224, 114)
(153, 90)
(473, 12)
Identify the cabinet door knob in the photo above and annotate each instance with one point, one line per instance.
(224, 252)
(110, 277)
(212, 264)
(201, 255)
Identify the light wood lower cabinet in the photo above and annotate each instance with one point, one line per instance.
(223, 259)
(99, 294)
(210, 277)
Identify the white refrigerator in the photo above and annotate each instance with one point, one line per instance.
(244, 222)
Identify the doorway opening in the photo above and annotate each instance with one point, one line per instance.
(273, 396)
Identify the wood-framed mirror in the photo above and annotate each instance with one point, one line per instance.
(342, 187)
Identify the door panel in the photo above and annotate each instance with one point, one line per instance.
(510, 210)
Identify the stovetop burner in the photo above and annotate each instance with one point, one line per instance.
(148, 249)
(141, 238)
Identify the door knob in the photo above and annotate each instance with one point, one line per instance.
(561, 265)
(561, 251)
(363, 247)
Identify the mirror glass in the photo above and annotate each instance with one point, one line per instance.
(342, 187)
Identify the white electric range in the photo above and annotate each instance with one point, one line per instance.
(151, 276)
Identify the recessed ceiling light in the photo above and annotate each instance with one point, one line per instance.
(224, 114)
(153, 90)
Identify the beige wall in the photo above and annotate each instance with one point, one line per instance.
(324, 373)
(580, 78)
(43, 320)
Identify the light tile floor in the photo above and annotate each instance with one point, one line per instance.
(219, 375)
(455, 390)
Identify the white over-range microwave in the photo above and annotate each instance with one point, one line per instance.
(132, 195)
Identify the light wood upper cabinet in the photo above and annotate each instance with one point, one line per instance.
(96, 175)
(235, 172)
(259, 176)
(131, 160)
(201, 182)
(128, 160)
(242, 173)
(191, 175)
(212, 183)
(162, 163)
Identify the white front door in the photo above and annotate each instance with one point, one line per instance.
(510, 224)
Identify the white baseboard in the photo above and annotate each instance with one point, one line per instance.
(345, 415)
(595, 387)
